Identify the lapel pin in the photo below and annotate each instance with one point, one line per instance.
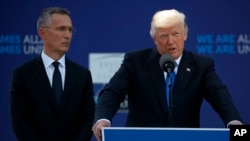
(188, 69)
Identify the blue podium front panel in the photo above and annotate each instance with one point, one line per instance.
(165, 134)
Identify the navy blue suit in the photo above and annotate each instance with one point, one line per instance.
(35, 115)
(141, 78)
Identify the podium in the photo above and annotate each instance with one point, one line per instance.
(164, 134)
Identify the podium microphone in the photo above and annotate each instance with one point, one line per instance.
(168, 64)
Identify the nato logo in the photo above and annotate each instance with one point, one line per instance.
(240, 132)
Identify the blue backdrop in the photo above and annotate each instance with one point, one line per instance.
(220, 29)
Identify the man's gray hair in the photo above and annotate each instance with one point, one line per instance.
(46, 13)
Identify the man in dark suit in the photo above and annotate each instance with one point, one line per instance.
(142, 79)
(36, 113)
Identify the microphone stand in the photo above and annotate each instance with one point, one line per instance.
(170, 106)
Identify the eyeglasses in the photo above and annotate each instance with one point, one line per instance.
(63, 29)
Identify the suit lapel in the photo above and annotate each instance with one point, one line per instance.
(42, 80)
(69, 79)
(184, 74)
(157, 76)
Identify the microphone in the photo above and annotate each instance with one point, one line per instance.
(167, 63)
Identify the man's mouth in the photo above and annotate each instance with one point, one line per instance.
(171, 49)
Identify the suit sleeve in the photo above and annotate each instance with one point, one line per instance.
(85, 133)
(218, 95)
(19, 109)
(114, 92)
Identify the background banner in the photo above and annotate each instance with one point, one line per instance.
(105, 30)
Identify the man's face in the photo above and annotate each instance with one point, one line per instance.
(170, 40)
(57, 35)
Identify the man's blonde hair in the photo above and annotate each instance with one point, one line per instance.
(166, 18)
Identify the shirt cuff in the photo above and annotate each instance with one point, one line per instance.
(103, 119)
(234, 122)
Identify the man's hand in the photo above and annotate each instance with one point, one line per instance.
(97, 128)
(234, 122)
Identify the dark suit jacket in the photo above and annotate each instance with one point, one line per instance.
(141, 77)
(34, 113)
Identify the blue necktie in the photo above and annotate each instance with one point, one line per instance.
(57, 83)
(172, 76)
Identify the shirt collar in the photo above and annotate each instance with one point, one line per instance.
(48, 60)
(178, 60)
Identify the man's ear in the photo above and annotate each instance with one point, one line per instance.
(185, 36)
(41, 32)
(154, 39)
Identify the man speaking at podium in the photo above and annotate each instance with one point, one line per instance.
(142, 77)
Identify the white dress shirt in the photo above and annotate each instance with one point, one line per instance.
(47, 61)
